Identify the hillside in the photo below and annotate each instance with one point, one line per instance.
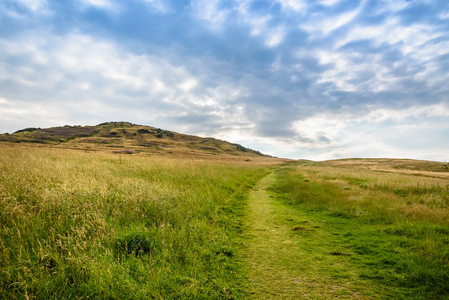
(128, 138)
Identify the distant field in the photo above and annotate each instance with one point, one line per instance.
(96, 224)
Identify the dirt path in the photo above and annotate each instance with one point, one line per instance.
(283, 262)
(271, 247)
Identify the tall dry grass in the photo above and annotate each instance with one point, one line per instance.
(97, 225)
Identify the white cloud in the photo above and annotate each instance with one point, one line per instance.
(409, 39)
(296, 5)
(37, 6)
(416, 112)
(378, 133)
(323, 24)
(444, 15)
(16, 114)
(390, 6)
(216, 16)
(275, 37)
(339, 74)
(332, 123)
(109, 6)
(99, 3)
(321, 125)
(418, 56)
(353, 71)
(210, 11)
(78, 71)
(356, 70)
(272, 35)
(188, 84)
(329, 2)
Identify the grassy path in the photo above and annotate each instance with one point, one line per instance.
(289, 255)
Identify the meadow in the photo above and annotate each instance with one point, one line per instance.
(388, 229)
(101, 225)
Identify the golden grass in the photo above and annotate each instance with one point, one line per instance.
(401, 166)
(178, 153)
(103, 225)
(420, 195)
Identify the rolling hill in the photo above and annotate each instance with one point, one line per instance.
(128, 138)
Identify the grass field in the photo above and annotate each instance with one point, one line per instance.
(94, 225)
(98, 225)
(390, 230)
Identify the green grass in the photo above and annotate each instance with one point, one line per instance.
(93, 225)
(392, 230)
(112, 226)
(290, 254)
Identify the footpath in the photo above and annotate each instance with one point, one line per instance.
(283, 256)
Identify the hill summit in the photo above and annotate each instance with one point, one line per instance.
(127, 138)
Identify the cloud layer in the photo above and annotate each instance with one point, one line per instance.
(300, 79)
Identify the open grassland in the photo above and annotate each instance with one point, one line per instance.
(389, 230)
(403, 166)
(98, 225)
(77, 224)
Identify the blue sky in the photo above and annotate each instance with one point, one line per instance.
(318, 79)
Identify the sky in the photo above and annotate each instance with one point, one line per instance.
(301, 79)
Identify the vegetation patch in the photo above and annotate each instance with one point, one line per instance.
(144, 143)
(138, 241)
(30, 129)
(209, 148)
(143, 131)
(124, 151)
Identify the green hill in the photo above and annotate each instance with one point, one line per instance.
(127, 138)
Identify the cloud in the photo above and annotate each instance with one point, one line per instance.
(329, 2)
(262, 25)
(78, 69)
(105, 4)
(210, 11)
(22, 13)
(323, 23)
(316, 79)
(295, 5)
(110, 7)
(275, 37)
(36, 6)
(419, 112)
(379, 133)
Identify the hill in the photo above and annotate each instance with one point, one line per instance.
(128, 138)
